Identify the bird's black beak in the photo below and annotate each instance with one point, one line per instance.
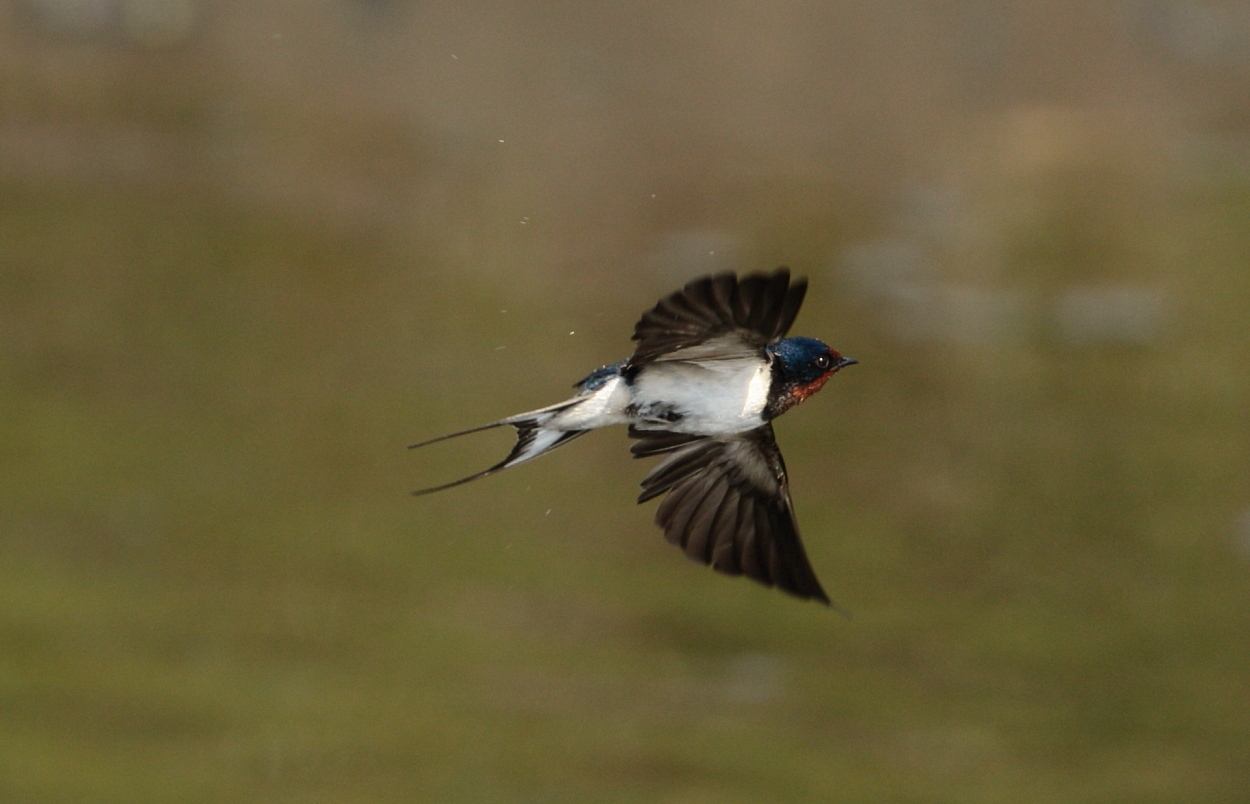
(846, 361)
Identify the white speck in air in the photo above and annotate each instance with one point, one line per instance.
(503, 311)
(548, 512)
(570, 332)
(501, 140)
(524, 220)
(498, 348)
(454, 56)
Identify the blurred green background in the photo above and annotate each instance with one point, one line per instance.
(250, 250)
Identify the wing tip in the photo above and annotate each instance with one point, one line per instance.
(817, 595)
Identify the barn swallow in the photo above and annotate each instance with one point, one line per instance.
(710, 372)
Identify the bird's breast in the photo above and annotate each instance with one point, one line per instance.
(701, 397)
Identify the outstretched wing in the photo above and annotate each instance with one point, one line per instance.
(728, 315)
(728, 505)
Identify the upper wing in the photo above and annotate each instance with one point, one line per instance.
(730, 316)
(728, 505)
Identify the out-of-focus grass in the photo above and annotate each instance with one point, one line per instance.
(215, 586)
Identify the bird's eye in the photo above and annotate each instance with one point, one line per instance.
(822, 362)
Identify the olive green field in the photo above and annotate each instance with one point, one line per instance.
(244, 263)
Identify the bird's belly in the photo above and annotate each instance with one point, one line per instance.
(704, 398)
(602, 407)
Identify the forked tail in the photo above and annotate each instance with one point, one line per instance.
(533, 439)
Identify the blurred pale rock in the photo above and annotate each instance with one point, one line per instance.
(881, 270)
(152, 23)
(896, 276)
(930, 213)
(1209, 34)
(74, 17)
(157, 23)
(1130, 314)
(968, 313)
(756, 678)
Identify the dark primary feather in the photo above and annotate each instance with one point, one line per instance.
(759, 308)
(728, 505)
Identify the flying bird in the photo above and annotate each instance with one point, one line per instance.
(711, 370)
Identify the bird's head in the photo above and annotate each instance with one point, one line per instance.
(801, 367)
